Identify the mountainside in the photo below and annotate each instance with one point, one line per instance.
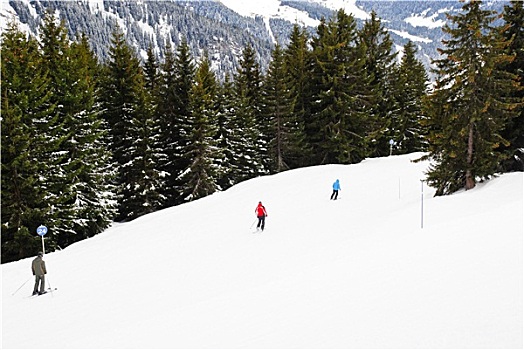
(224, 27)
(359, 272)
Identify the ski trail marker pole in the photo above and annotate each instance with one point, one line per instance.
(422, 204)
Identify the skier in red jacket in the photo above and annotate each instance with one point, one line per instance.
(261, 215)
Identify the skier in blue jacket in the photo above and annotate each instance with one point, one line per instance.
(336, 188)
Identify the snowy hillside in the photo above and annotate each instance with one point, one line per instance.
(359, 272)
(224, 27)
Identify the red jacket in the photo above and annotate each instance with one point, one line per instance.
(260, 210)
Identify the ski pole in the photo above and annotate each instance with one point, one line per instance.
(49, 284)
(250, 227)
(21, 286)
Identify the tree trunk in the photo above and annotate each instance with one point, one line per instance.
(470, 178)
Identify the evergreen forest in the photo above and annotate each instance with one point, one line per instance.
(86, 143)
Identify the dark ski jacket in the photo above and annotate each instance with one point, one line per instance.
(38, 266)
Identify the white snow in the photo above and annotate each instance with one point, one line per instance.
(413, 38)
(359, 272)
(8, 15)
(349, 6)
(422, 20)
(274, 9)
(269, 9)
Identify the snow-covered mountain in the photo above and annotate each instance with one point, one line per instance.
(359, 272)
(224, 27)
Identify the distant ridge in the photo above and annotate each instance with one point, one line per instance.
(223, 28)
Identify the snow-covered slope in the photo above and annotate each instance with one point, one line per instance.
(359, 272)
(276, 9)
(270, 9)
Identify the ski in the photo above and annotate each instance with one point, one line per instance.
(45, 292)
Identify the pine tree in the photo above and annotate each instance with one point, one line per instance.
(57, 182)
(93, 198)
(201, 177)
(78, 184)
(409, 90)
(165, 112)
(153, 127)
(142, 193)
(239, 152)
(514, 130)
(249, 78)
(466, 130)
(224, 132)
(379, 67)
(298, 64)
(180, 125)
(248, 83)
(121, 97)
(25, 102)
(336, 128)
(152, 75)
(153, 84)
(248, 161)
(286, 131)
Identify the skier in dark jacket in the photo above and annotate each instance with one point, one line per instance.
(261, 215)
(39, 271)
(336, 188)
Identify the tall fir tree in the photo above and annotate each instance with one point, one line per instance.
(165, 111)
(145, 181)
(286, 139)
(249, 78)
(336, 128)
(201, 177)
(152, 85)
(57, 182)
(182, 122)
(25, 103)
(474, 91)
(298, 63)
(79, 184)
(514, 131)
(379, 66)
(236, 136)
(90, 165)
(151, 129)
(409, 89)
(248, 83)
(248, 161)
(152, 76)
(312, 124)
(122, 101)
(225, 133)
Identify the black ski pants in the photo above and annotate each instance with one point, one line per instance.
(261, 222)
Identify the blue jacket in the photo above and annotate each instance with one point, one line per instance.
(336, 185)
